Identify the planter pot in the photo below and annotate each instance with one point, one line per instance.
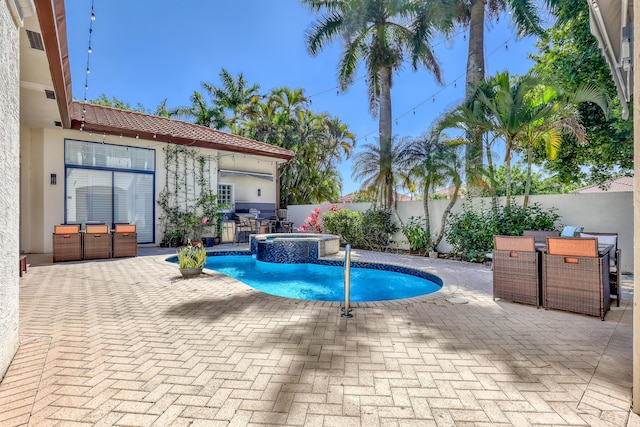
(175, 242)
(433, 254)
(196, 242)
(191, 272)
(216, 240)
(208, 241)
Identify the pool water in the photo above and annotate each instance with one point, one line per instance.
(320, 282)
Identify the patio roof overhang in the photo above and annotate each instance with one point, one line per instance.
(612, 25)
(228, 172)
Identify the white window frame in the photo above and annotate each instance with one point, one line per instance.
(232, 194)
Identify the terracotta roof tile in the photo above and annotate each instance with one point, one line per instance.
(113, 121)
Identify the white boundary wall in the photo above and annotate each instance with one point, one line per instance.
(598, 212)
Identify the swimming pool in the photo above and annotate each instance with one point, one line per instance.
(321, 282)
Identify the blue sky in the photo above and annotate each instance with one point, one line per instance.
(147, 51)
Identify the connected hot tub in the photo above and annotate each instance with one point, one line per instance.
(293, 248)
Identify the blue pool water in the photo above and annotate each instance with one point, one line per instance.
(320, 282)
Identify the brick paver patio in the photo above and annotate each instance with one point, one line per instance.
(128, 342)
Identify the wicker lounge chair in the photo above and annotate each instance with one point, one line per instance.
(67, 243)
(97, 242)
(516, 270)
(576, 277)
(125, 241)
(540, 236)
(614, 259)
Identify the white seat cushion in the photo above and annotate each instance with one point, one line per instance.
(607, 239)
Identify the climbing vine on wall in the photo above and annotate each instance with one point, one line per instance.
(187, 201)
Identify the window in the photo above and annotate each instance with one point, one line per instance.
(225, 194)
(110, 184)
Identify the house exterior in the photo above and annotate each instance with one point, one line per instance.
(64, 161)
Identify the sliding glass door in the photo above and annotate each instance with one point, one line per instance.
(103, 186)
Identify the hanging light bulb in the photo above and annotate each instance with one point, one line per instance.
(93, 16)
(88, 70)
(89, 50)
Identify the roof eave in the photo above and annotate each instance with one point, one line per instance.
(52, 20)
(149, 136)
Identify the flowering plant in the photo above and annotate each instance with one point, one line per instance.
(196, 226)
(313, 223)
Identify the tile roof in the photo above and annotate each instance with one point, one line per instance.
(114, 121)
(618, 185)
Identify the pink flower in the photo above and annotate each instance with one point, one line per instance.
(204, 220)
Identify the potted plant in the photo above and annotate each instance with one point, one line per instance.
(191, 259)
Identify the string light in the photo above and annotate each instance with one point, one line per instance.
(86, 78)
(432, 97)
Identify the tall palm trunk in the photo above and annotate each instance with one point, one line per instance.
(507, 170)
(527, 187)
(445, 214)
(385, 137)
(425, 204)
(492, 178)
(475, 74)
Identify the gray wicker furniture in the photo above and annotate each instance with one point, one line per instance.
(125, 241)
(67, 243)
(516, 270)
(540, 236)
(576, 276)
(97, 242)
(614, 259)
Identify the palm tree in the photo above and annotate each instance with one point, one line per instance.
(525, 113)
(368, 168)
(433, 160)
(320, 142)
(382, 34)
(559, 115)
(234, 96)
(509, 113)
(471, 14)
(200, 112)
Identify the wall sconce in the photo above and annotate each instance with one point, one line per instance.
(259, 192)
(54, 179)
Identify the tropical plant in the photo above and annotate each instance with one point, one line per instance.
(471, 14)
(433, 160)
(382, 34)
(233, 97)
(344, 223)
(200, 112)
(312, 223)
(369, 167)
(419, 238)
(569, 57)
(192, 256)
(320, 141)
(368, 230)
(470, 232)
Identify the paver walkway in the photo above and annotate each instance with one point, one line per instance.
(128, 342)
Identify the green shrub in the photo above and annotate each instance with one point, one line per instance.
(417, 236)
(367, 230)
(344, 223)
(470, 232)
(376, 228)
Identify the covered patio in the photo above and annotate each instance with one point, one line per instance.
(129, 342)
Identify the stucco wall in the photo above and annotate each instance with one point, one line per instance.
(9, 190)
(43, 203)
(597, 212)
